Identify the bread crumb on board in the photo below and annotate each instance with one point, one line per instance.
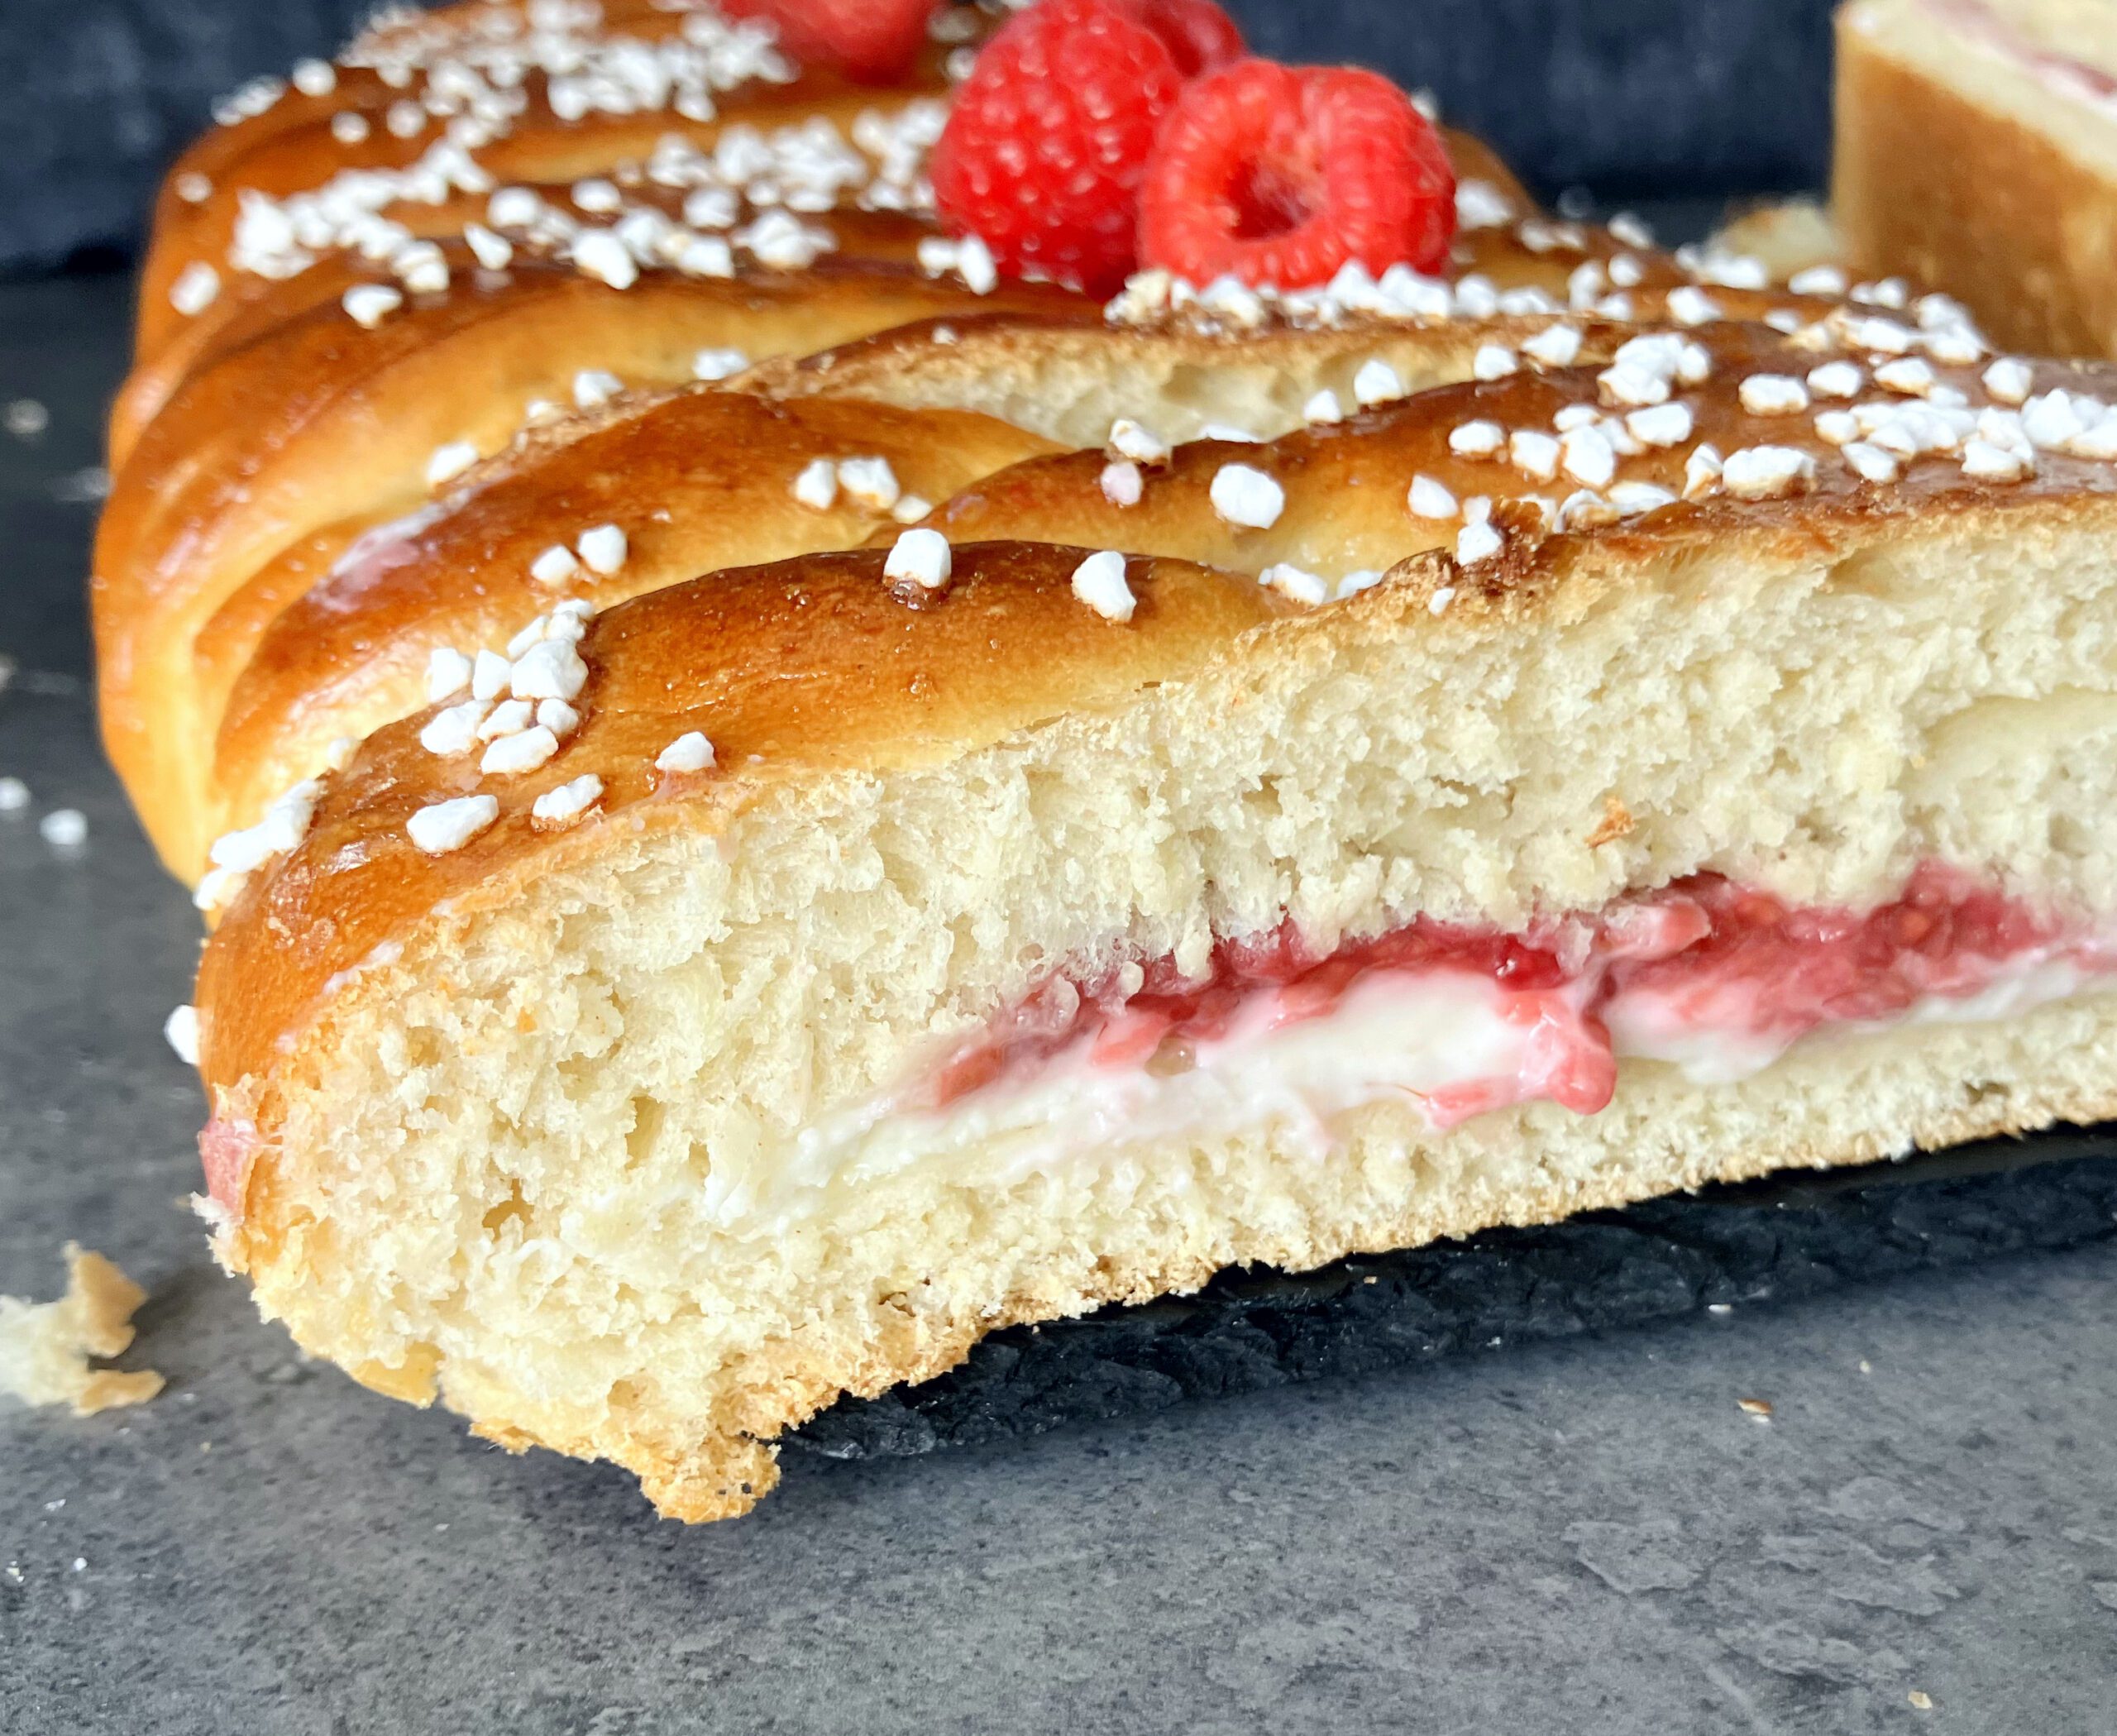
(44, 1347)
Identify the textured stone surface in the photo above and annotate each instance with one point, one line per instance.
(1633, 98)
(1249, 1330)
(1586, 1536)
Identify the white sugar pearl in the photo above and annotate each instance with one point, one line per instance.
(1476, 543)
(569, 802)
(195, 289)
(370, 304)
(817, 485)
(1432, 500)
(449, 462)
(1661, 424)
(1762, 472)
(555, 566)
(551, 670)
(1378, 383)
(523, 751)
(689, 752)
(1128, 439)
(602, 548)
(869, 481)
(442, 826)
(718, 364)
(1244, 495)
(453, 730)
(1476, 439)
(1773, 394)
(448, 674)
(1122, 484)
(921, 556)
(1556, 347)
(599, 254)
(493, 251)
(1099, 582)
(594, 387)
(489, 675)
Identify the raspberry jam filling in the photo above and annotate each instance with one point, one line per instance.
(1714, 978)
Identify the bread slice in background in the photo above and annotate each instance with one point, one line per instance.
(1976, 154)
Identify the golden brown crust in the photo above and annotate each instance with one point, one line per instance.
(699, 481)
(199, 510)
(1931, 184)
(250, 308)
(1345, 483)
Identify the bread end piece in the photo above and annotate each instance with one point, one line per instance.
(1958, 164)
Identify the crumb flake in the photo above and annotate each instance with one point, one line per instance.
(45, 1347)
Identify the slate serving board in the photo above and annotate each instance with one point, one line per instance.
(1790, 1236)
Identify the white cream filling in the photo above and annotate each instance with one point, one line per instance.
(1654, 1027)
(1393, 1033)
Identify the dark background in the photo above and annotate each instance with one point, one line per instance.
(1634, 99)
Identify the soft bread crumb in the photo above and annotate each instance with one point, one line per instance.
(44, 1347)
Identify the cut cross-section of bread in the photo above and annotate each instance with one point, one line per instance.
(910, 957)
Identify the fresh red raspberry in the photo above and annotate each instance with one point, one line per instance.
(1049, 134)
(871, 41)
(1198, 33)
(1279, 175)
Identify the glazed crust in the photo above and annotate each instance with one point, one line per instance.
(198, 512)
(352, 649)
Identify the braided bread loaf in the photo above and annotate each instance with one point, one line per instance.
(991, 805)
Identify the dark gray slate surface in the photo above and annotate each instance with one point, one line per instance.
(1633, 98)
(1586, 1537)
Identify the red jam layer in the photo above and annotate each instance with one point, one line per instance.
(1704, 954)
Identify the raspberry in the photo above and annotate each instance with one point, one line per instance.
(1043, 150)
(1279, 175)
(1198, 33)
(871, 41)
